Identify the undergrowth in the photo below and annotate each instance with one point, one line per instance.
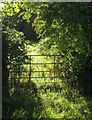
(54, 98)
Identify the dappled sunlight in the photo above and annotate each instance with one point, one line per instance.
(46, 97)
(46, 61)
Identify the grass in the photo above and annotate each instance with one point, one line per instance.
(53, 98)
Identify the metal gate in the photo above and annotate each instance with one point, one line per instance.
(38, 69)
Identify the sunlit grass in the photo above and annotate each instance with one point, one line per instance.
(54, 98)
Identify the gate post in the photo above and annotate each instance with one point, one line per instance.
(29, 80)
(54, 69)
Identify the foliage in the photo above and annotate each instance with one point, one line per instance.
(65, 31)
(13, 45)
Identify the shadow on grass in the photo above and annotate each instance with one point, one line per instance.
(22, 104)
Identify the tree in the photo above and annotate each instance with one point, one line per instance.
(13, 45)
(67, 27)
(62, 26)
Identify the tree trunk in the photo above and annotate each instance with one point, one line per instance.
(5, 85)
(5, 71)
